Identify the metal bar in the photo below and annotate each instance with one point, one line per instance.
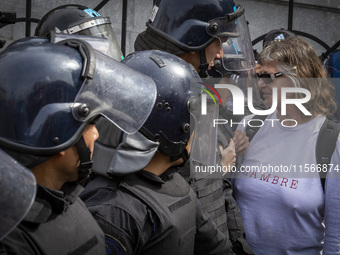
(124, 23)
(258, 39)
(335, 46)
(303, 5)
(330, 50)
(290, 14)
(21, 20)
(27, 19)
(28, 16)
(312, 37)
(101, 5)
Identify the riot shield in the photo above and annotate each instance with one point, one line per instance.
(18, 189)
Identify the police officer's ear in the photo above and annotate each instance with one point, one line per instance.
(61, 153)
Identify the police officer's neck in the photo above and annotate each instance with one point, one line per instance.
(57, 170)
(160, 163)
(45, 176)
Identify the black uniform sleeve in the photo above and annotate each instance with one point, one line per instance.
(209, 240)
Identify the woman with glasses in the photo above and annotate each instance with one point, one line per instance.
(278, 189)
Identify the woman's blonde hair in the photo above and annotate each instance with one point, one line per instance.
(300, 63)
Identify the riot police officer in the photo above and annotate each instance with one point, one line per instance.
(84, 23)
(51, 95)
(153, 210)
(200, 33)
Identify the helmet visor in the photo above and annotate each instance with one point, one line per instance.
(18, 188)
(98, 43)
(98, 27)
(233, 33)
(124, 96)
(106, 31)
(203, 113)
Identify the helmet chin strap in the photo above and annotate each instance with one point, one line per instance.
(85, 160)
(204, 65)
(184, 155)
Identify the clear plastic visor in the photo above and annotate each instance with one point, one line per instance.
(235, 41)
(98, 43)
(121, 94)
(106, 31)
(98, 27)
(18, 189)
(204, 140)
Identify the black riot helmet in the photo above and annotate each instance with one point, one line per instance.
(199, 23)
(51, 92)
(79, 20)
(178, 86)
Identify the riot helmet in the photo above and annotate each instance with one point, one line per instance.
(169, 121)
(55, 90)
(75, 19)
(168, 126)
(178, 105)
(199, 23)
(173, 118)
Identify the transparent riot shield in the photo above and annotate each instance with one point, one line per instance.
(204, 111)
(18, 189)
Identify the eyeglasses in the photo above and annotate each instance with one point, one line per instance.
(268, 77)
